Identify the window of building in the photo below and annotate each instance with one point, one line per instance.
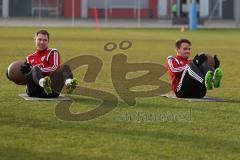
(0, 8)
(118, 3)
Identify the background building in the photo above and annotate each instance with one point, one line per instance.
(221, 9)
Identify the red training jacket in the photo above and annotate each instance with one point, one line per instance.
(175, 66)
(48, 60)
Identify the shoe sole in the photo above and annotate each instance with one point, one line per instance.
(47, 86)
(209, 80)
(72, 86)
(217, 78)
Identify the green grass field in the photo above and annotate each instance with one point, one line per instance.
(200, 130)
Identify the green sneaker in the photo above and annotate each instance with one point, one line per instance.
(209, 80)
(47, 85)
(217, 77)
(72, 85)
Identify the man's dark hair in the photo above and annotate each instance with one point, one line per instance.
(180, 41)
(44, 32)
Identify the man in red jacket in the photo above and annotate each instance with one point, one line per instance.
(192, 78)
(43, 72)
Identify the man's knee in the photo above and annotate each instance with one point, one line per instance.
(195, 72)
(66, 72)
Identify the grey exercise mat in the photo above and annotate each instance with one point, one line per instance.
(205, 99)
(60, 98)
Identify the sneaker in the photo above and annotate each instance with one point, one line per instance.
(217, 77)
(47, 85)
(72, 85)
(209, 80)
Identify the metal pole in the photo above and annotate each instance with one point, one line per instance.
(237, 13)
(193, 16)
(5, 8)
(159, 8)
(135, 8)
(139, 13)
(178, 8)
(106, 11)
(110, 8)
(84, 9)
(73, 12)
(40, 8)
(220, 8)
(171, 4)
